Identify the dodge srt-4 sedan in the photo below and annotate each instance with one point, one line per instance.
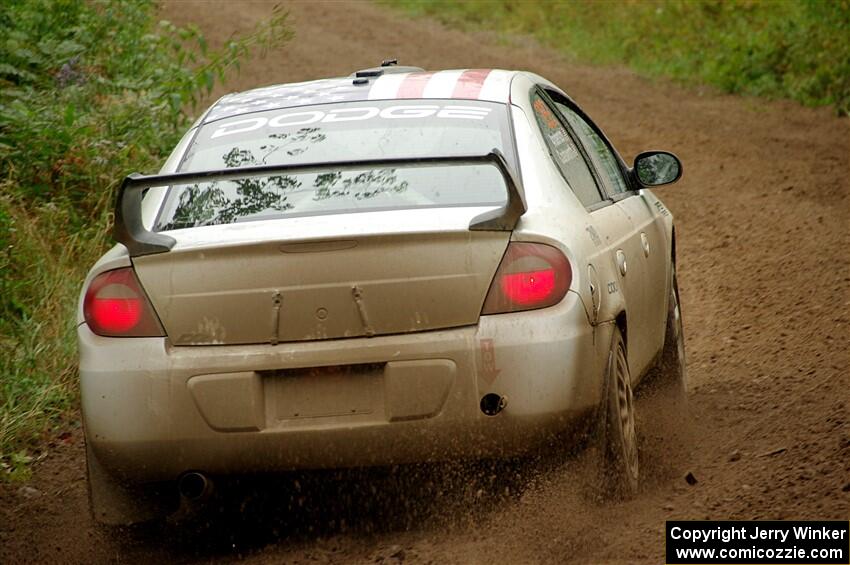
(394, 267)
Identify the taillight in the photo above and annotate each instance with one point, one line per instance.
(116, 306)
(531, 276)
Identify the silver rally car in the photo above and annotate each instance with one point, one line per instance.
(396, 266)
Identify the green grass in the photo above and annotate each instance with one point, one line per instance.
(89, 91)
(798, 49)
(42, 271)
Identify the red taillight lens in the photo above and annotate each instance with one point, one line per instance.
(531, 276)
(116, 306)
(116, 314)
(528, 288)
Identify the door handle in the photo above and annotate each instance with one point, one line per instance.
(644, 241)
(621, 262)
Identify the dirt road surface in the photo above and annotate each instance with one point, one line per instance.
(764, 267)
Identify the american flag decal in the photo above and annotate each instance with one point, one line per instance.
(469, 84)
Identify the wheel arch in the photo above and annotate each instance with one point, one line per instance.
(621, 321)
(673, 245)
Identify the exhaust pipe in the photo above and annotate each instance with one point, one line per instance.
(492, 404)
(194, 486)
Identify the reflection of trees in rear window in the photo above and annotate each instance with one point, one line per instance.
(363, 185)
(290, 143)
(331, 192)
(334, 190)
(375, 130)
(204, 204)
(308, 135)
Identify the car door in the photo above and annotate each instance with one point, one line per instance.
(643, 261)
(607, 227)
(653, 254)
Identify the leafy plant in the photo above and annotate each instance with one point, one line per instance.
(798, 49)
(89, 91)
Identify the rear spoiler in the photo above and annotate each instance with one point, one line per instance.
(130, 230)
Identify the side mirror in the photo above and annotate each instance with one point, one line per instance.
(656, 168)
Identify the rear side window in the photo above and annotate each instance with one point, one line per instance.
(603, 157)
(565, 153)
(330, 133)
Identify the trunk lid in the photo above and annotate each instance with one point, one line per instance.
(245, 288)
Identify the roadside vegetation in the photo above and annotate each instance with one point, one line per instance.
(798, 49)
(89, 92)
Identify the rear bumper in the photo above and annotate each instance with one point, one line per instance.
(153, 411)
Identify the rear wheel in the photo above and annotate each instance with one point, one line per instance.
(616, 435)
(671, 371)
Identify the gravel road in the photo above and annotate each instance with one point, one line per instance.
(764, 269)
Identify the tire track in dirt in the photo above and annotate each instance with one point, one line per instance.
(764, 266)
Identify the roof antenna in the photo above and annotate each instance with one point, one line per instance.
(389, 62)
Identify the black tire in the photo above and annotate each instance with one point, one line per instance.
(671, 371)
(616, 434)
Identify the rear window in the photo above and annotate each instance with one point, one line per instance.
(342, 132)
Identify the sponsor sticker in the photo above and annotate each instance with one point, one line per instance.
(361, 113)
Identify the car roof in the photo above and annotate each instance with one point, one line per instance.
(380, 83)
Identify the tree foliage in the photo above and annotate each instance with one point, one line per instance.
(798, 49)
(89, 91)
